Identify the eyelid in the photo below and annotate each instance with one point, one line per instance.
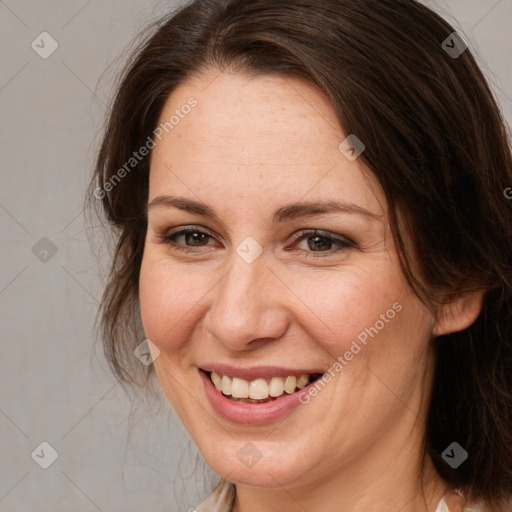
(181, 231)
(340, 241)
(325, 234)
(185, 228)
(297, 235)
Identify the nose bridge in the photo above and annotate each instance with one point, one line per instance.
(245, 305)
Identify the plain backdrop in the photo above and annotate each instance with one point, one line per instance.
(55, 387)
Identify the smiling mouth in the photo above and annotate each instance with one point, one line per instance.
(259, 391)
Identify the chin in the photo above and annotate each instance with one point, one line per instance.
(245, 463)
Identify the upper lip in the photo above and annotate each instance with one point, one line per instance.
(256, 372)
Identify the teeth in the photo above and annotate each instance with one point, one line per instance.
(239, 388)
(217, 380)
(290, 384)
(276, 386)
(226, 385)
(302, 381)
(258, 389)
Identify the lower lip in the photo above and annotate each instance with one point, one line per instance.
(246, 413)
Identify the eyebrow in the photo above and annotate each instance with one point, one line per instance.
(286, 212)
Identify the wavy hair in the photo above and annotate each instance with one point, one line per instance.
(436, 141)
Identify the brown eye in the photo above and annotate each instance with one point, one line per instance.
(319, 242)
(194, 237)
(190, 239)
(322, 243)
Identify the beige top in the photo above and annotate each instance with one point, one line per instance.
(213, 503)
(443, 507)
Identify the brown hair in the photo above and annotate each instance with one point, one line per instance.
(436, 141)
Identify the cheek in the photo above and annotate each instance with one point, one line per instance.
(333, 309)
(350, 305)
(381, 332)
(167, 295)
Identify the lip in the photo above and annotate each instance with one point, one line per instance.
(246, 413)
(257, 372)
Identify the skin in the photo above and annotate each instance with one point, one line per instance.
(252, 145)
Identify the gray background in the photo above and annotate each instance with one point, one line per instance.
(54, 383)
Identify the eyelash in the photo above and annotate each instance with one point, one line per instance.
(342, 244)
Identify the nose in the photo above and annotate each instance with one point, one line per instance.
(248, 306)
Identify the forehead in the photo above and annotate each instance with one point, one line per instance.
(259, 136)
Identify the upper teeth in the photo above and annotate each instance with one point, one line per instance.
(258, 389)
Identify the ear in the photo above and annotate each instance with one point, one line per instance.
(459, 313)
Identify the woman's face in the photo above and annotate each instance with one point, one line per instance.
(251, 170)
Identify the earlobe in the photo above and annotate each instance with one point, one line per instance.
(459, 313)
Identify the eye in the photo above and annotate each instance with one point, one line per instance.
(318, 240)
(320, 243)
(194, 236)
